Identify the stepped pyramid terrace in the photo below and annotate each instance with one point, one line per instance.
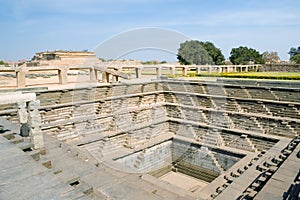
(158, 139)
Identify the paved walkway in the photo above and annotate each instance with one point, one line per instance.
(23, 178)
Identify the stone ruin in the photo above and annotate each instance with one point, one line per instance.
(164, 139)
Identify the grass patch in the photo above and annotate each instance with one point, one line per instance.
(249, 75)
(256, 75)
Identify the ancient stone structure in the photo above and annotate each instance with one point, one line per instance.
(167, 139)
(63, 58)
(34, 122)
(109, 75)
(28, 113)
(112, 73)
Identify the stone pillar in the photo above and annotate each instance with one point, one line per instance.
(93, 75)
(63, 76)
(34, 123)
(105, 77)
(257, 67)
(246, 69)
(158, 71)
(219, 69)
(104, 80)
(172, 71)
(21, 78)
(198, 70)
(184, 71)
(209, 69)
(22, 112)
(227, 69)
(234, 69)
(138, 72)
(115, 78)
(239, 68)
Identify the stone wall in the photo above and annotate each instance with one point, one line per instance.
(194, 160)
(280, 68)
(150, 159)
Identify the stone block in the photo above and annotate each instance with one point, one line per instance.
(22, 112)
(35, 155)
(34, 105)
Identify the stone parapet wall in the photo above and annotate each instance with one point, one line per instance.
(280, 68)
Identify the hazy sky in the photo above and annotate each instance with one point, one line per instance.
(29, 26)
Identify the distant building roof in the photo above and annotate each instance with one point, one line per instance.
(59, 54)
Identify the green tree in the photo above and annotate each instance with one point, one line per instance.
(199, 53)
(2, 62)
(294, 51)
(245, 55)
(295, 55)
(296, 58)
(215, 53)
(270, 57)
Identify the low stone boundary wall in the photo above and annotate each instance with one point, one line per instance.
(280, 68)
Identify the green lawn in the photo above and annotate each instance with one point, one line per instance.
(250, 75)
(275, 74)
(255, 75)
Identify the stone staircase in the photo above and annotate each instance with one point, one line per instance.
(248, 94)
(251, 144)
(273, 93)
(41, 167)
(95, 149)
(103, 147)
(203, 115)
(212, 137)
(267, 109)
(215, 161)
(230, 122)
(124, 121)
(258, 124)
(139, 160)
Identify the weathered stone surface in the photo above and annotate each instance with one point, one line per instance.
(34, 122)
(22, 112)
(214, 133)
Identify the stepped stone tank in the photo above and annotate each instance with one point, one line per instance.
(189, 140)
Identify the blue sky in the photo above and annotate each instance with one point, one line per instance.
(29, 26)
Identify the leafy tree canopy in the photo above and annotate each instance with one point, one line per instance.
(2, 62)
(295, 55)
(296, 58)
(245, 55)
(294, 51)
(199, 53)
(270, 57)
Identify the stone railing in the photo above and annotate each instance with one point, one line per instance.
(63, 73)
(115, 71)
(185, 68)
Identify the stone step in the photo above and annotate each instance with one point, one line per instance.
(35, 154)
(9, 135)
(26, 145)
(17, 139)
